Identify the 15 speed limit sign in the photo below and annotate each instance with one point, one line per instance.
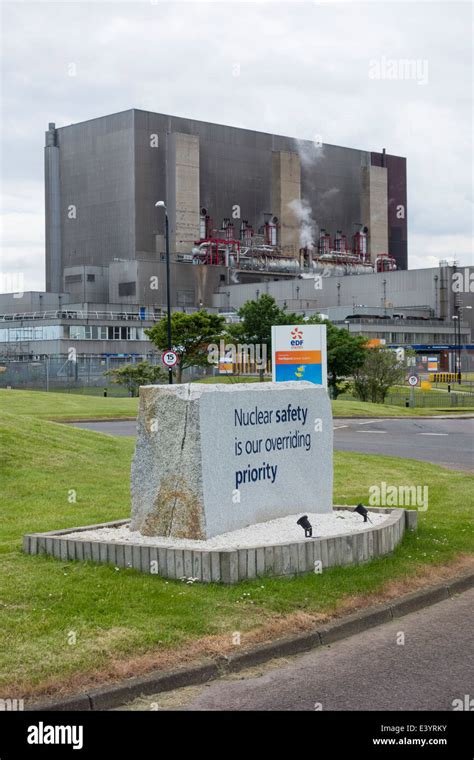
(413, 380)
(169, 358)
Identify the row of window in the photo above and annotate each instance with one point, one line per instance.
(97, 332)
(71, 279)
(73, 332)
(44, 332)
(418, 338)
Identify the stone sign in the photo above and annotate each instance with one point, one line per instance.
(210, 459)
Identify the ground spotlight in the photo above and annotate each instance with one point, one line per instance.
(363, 512)
(306, 525)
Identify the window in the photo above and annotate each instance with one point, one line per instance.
(185, 297)
(114, 333)
(17, 334)
(91, 278)
(52, 332)
(127, 288)
(76, 332)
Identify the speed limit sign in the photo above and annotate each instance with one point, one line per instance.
(413, 380)
(169, 358)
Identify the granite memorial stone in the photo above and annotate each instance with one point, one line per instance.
(210, 459)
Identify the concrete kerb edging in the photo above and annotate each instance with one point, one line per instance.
(71, 421)
(231, 565)
(450, 416)
(116, 695)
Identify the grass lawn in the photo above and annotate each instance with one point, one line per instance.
(63, 406)
(120, 616)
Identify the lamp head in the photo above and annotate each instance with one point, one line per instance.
(306, 525)
(362, 511)
(160, 204)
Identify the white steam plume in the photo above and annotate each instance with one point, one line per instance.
(310, 152)
(308, 227)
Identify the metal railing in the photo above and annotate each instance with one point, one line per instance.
(389, 321)
(151, 316)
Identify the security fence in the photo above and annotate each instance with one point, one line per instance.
(421, 399)
(58, 373)
(431, 399)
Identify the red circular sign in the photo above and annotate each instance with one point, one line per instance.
(169, 358)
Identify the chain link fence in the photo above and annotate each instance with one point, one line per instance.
(85, 374)
(431, 399)
(424, 399)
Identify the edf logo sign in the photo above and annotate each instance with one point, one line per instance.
(297, 337)
(295, 358)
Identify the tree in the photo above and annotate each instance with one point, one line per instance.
(191, 335)
(381, 369)
(257, 318)
(346, 353)
(134, 375)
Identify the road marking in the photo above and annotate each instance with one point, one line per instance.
(338, 427)
(369, 422)
(373, 431)
(432, 433)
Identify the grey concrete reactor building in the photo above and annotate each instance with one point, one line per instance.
(242, 203)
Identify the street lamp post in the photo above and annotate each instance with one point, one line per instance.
(461, 308)
(457, 341)
(459, 347)
(457, 326)
(161, 204)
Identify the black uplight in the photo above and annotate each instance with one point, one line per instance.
(363, 512)
(306, 525)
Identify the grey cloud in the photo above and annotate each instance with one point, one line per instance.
(304, 71)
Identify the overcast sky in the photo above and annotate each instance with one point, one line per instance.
(299, 69)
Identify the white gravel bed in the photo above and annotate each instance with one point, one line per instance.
(284, 530)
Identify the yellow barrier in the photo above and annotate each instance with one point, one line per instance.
(444, 377)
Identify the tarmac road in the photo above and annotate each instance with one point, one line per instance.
(447, 442)
(368, 671)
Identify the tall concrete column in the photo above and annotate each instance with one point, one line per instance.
(183, 191)
(286, 187)
(52, 212)
(374, 208)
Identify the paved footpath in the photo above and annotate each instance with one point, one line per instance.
(368, 671)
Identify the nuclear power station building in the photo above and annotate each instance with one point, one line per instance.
(322, 229)
(244, 206)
